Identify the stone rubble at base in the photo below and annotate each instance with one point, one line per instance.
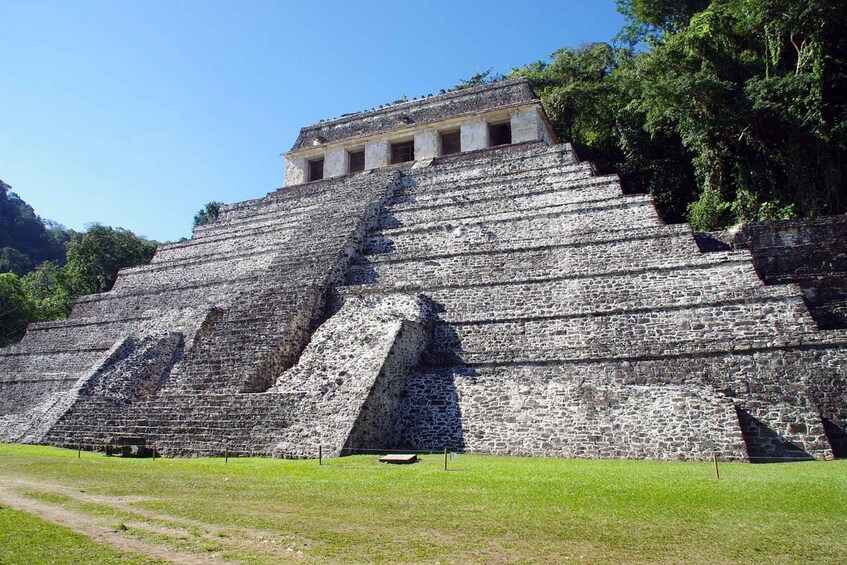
(503, 300)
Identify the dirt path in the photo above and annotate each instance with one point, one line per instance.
(89, 527)
(277, 549)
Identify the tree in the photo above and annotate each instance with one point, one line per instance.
(741, 84)
(95, 257)
(579, 98)
(25, 239)
(48, 291)
(724, 111)
(208, 214)
(479, 79)
(15, 309)
(649, 20)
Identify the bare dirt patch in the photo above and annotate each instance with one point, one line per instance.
(171, 529)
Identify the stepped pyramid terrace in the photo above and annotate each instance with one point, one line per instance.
(445, 273)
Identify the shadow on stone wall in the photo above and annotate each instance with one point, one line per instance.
(764, 445)
(837, 438)
(431, 414)
(809, 252)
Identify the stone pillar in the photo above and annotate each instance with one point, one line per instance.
(527, 125)
(376, 154)
(295, 170)
(474, 135)
(426, 144)
(336, 162)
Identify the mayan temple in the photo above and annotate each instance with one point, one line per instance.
(444, 273)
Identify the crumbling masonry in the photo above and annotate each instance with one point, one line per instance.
(441, 273)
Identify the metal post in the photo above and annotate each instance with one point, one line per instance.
(79, 451)
(226, 454)
(320, 455)
(445, 458)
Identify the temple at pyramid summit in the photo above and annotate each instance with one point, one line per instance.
(444, 273)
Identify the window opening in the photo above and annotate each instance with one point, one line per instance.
(316, 169)
(451, 142)
(402, 152)
(499, 134)
(357, 161)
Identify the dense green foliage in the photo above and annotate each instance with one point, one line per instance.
(25, 239)
(725, 111)
(47, 293)
(16, 309)
(484, 509)
(208, 214)
(94, 257)
(45, 267)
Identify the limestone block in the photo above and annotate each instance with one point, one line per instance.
(376, 154)
(474, 135)
(336, 162)
(426, 144)
(527, 126)
(295, 170)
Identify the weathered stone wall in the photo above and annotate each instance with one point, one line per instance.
(529, 411)
(551, 289)
(811, 253)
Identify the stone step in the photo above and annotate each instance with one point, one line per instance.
(622, 332)
(528, 199)
(540, 206)
(537, 411)
(660, 352)
(590, 254)
(137, 322)
(68, 338)
(269, 217)
(326, 192)
(828, 306)
(243, 241)
(416, 191)
(494, 163)
(140, 303)
(667, 288)
(20, 364)
(243, 268)
(515, 229)
(532, 400)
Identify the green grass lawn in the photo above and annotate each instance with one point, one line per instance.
(27, 539)
(484, 509)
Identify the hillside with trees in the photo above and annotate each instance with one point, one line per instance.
(44, 267)
(725, 111)
(25, 239)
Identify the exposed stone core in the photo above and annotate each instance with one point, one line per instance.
(503, 300)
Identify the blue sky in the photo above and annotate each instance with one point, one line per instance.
(135, 114)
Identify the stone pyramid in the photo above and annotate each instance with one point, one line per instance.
(440, 273)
